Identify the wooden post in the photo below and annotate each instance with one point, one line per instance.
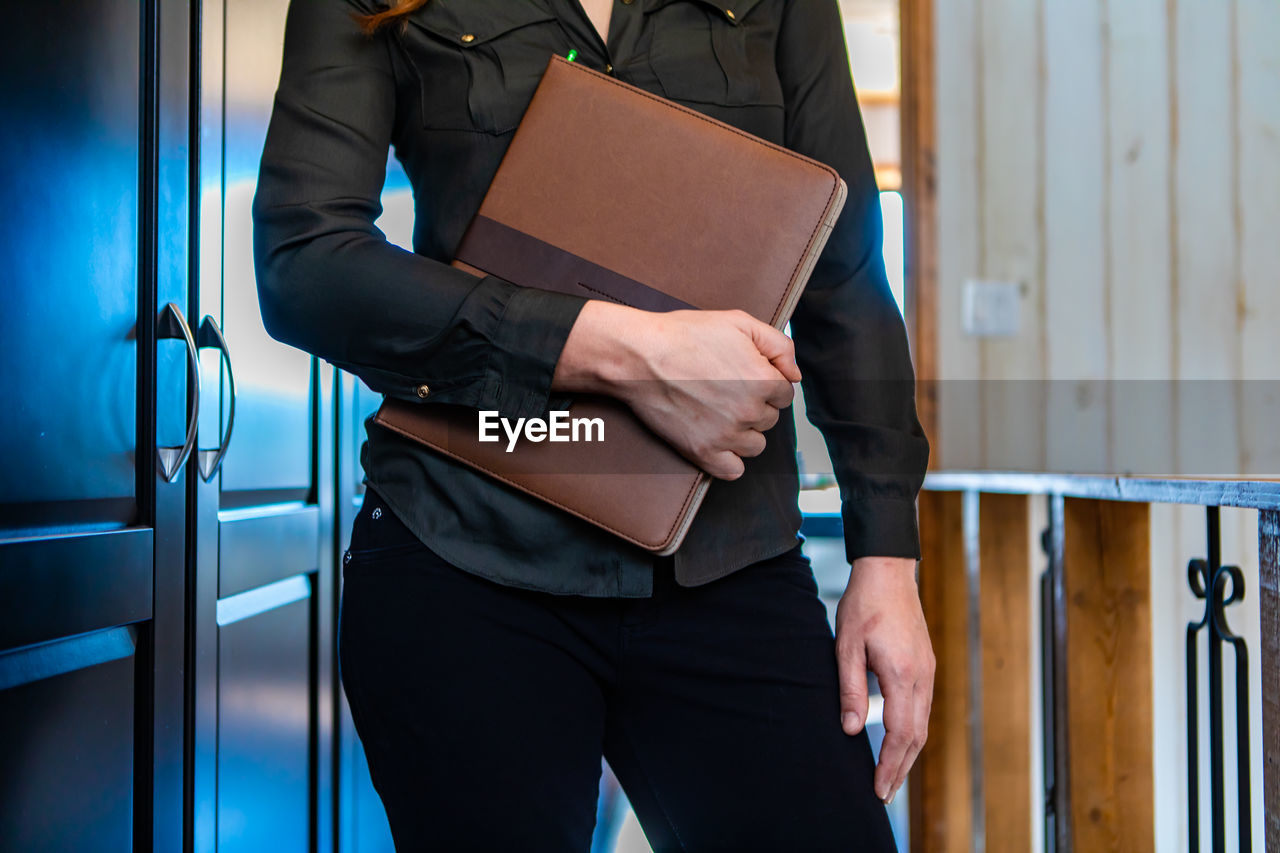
(1005, 613)
(940, 784)
(919, 194)
(1269, 601)
(1106, 579)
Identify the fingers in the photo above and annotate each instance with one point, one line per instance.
(749, 443)
(727, 464)
(745, 436)
(773, 345)
(779, 394)
(852, 660)
(766, 419)
(920, 702)
(908, 699)
(724, 465)
(899, 736)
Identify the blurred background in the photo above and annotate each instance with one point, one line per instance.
(1081, 206)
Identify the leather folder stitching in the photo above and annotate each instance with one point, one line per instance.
(835, 185)
(604, 295)
(701, 116)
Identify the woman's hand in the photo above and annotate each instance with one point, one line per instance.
(708, 382)
(880, 626)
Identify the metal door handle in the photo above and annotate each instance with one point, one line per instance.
(172, 324)
(209, 335)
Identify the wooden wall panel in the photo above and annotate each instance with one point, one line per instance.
(1258, 190)
(1076, 237)
(1139, 296)
(1206, 270)
(1107, 581)
(1010, 156)
(1005, 593)
(940, 794)
(1122, 160)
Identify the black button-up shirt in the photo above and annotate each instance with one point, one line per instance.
(445, 89)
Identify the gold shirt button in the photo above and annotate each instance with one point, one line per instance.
(608, 69)
(423, 391)
(468, 37)
(627, 2)
(730, 15)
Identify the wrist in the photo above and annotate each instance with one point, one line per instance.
(894, 570)
(602, 351)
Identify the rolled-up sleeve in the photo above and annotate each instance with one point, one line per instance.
(329, 282)
(850, 339)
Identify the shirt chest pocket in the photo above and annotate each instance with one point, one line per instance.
(479, 61)
(714, 51)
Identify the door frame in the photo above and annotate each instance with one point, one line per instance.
(919, 197)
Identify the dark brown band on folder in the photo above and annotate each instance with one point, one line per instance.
(516, 256)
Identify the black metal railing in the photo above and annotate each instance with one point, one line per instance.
(1220, 586)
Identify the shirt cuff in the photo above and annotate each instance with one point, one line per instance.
(528, 341)
(880, 527)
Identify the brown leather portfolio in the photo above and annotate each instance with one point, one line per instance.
(611, 192)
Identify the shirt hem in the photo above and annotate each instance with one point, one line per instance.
(615, 589)
(739, 563)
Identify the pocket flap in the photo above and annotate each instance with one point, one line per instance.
(732, 11)
(474, 23)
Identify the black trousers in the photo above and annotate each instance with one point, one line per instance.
(485, 709)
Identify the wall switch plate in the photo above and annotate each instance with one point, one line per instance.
(991, 309)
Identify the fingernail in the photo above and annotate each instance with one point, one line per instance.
(850, 722)
(889, 801)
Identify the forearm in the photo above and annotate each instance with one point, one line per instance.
(602, 350)
(400, 321)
